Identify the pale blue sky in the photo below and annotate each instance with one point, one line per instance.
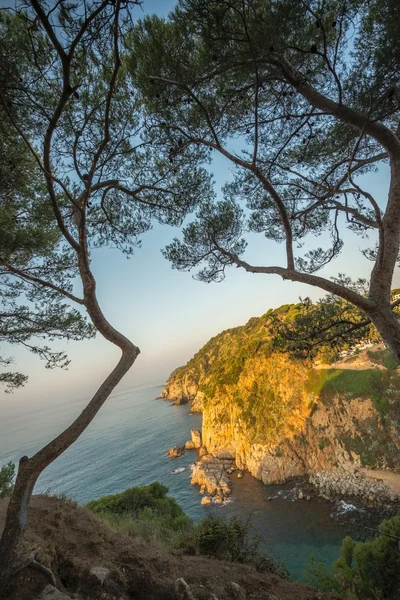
(167, 313)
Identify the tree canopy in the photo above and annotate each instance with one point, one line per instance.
(75, 152)
(302, 98)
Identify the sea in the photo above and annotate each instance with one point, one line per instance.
(126, 446)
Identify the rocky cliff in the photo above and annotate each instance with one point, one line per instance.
(280, 418)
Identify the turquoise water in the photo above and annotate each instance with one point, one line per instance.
(125, 446)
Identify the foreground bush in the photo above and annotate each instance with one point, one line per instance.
(146, 512)
(234, 540)
(365, 569)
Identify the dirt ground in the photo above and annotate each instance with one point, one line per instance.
(71, 541)
(392, 480)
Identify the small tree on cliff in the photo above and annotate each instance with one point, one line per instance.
(102, 183)
(302, 97)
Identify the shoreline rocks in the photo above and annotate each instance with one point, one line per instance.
(345, 484)
(211, 474)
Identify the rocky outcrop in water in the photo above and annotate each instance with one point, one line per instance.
(212, 475)
(176, 451)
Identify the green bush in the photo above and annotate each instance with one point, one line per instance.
(367, 570)
(7, 473)
(234, 540)
(317, 576)
(144, 511)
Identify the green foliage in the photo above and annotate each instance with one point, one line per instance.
(234, 540)
(136, 499)
(368, 569)
(317, 575)
(385, 358)
(144, 511)
(7, 473)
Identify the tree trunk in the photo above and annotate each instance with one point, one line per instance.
(389, 327)
(29, 469)
(15, 523)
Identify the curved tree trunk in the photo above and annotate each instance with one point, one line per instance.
(11, 561)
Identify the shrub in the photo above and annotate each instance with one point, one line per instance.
(146, 504)
(317, 576)
(365, 569)
(7, 473)
(234, 540)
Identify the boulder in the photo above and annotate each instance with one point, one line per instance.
(235, 591)
(51, 593)
(182, 590)
(189, 445)
(100, 573)
(203, 451)
(181, 400)
(176, 451)
(206, 500)
(196, 438)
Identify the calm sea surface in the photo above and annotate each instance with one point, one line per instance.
(126, 445)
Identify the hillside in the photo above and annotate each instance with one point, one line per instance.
(279, 418)
(91, 561)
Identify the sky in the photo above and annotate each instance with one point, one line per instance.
(167, 313)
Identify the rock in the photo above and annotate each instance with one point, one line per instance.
(210, 474)
(189, 445)
(51, 593)
(203, 451)
(239, 475)
(100, 573)
(183, 590)
(196, 438)
(206, 500)
(181, 400)
(235, 591)
(308, 498)
(268, 498)
(300, 496)
(176, 451)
